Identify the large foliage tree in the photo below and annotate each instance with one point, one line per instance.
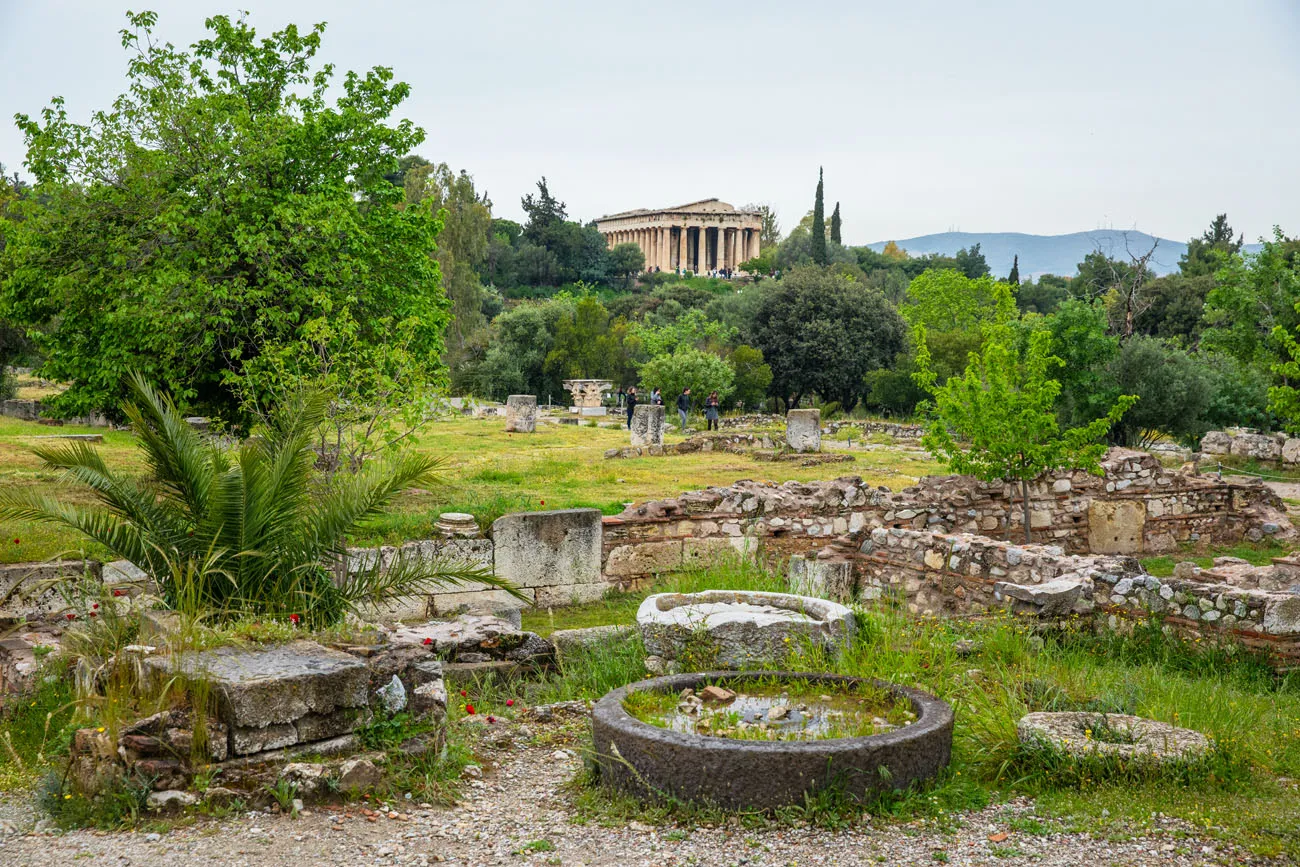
(949, 300)
(1205, 254)
(998, 421)
(221, 205)
(821, 333)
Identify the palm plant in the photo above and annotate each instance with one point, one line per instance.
(267, 531)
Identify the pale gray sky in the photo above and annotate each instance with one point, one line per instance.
(1000, 115)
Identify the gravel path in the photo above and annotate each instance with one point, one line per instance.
(523, 802)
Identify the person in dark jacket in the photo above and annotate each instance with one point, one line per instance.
(711, 410)
(630, 404)
(684, 405)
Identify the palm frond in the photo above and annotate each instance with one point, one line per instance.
(409, 574)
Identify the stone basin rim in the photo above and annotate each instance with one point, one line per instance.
(931, 712)
(817, 610)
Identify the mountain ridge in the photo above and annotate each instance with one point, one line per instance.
(1049, 254)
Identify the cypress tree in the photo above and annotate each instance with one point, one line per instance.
(1014, 277)
(835, 224)
(819, 225)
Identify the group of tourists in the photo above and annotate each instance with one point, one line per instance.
(712, 406)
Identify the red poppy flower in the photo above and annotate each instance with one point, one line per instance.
(18, 541)
(492, 720)
(428, 641)
(294, 618)
(118, 592)
(95, 606)
(92, 614)
(70, 616)
(543, 502)
(469, 709)
(510, 702)
(463, 694)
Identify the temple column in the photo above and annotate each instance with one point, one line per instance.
(662, 259)
(681, 247)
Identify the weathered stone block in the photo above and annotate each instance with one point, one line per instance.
(1116, 526)
(318, 727)
(647, 558)
(1053, 599)
(705, 552)
(272, 686)
(521, 413)
(1291, 451)
(1216, 442)
(803, 430)
(1261, 447)
(573, 594)
(825, 579)
(648, 425)
(245, 740)
(547, 549)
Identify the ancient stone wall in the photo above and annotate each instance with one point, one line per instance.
(939, 574)
(1135, 507)
(1270, 448)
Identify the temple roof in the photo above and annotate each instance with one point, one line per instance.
(704, 206)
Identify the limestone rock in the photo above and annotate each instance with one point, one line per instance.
(1053, 599)
(392, 696)
(521, 413)
(569, 640)
(170, 801)
(308, 777)
(358, 775)
(1216, 442)
(1261, 447)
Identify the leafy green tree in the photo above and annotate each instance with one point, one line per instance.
(971, 262)
(462, 244)
(1177, 308)
(232, 530)
(588, 342)
(217, 206)
(752, 376)
(1043, 296)
(819, 226)
(1173, 392)
(948, 300)
(625, 260)
(822, 333)
(1205, 254)
(1253, 296)
(1081, 339)
(998, 421)
(693, 328)
(836, 225)
(687, 367)
(1014, 277)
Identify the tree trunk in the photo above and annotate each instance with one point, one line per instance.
(1024, 497)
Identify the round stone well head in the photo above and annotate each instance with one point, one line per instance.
(734, 629)
(653, 762)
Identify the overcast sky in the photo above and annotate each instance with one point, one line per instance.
(999, 115)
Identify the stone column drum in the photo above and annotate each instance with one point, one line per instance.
(521, 413)
(648, 425)
(803, 430)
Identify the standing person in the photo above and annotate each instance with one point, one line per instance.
(711, 411)
(630, 404)
(684, 405)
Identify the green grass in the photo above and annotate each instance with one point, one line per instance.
(1251, 714)
(487, 473)
(36, 730)
(1259, 554)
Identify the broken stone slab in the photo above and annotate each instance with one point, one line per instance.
(272, 686)
(1083, 734)
(521, 413)
(736, 629)
(569, 640)
(171, 801)
(484, 634)
(1053, 599)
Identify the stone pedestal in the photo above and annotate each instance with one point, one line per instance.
(454, 525)
(521, 413)
(648, 425)
(803, 430)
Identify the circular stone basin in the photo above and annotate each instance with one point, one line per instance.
(1084, 735)
(738, 628)
(738, 774)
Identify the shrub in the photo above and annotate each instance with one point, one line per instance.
(229, 529)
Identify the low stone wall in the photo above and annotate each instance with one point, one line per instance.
(1270, 448)
(31, 410)
(937, 574)
(1136, 506)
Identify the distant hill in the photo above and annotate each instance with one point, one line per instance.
(1047, 254)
